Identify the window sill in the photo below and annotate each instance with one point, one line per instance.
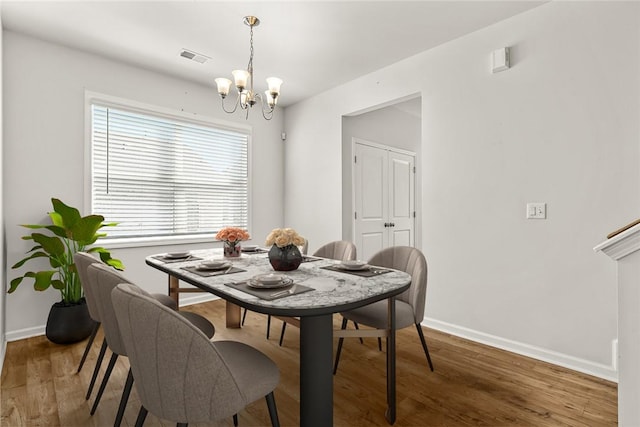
(140, 242)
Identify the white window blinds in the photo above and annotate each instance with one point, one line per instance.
(160, 176)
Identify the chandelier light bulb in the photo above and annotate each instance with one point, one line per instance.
(240, 77)
(223, 86)
(272, 99)
(274, 84)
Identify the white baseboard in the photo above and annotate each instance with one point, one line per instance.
(25, 333)
(606, 372)
(40, 330)
(4, 352)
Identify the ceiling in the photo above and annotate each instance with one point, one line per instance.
(311, 45)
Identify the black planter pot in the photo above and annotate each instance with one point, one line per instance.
(285, 259)
(69, 323)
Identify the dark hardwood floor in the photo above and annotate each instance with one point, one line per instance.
(472, 384)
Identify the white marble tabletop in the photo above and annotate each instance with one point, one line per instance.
(332, 290)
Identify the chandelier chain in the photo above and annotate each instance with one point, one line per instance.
(250, 66)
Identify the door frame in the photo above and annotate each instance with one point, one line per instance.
(354, 142)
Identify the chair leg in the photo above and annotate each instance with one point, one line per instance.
(244, 316)
(124, 399)
(284, 327)
(141, 416)
(379, 344)
(424, 346)
(94, 331)
(105, 379)
(103, 349)
(358, 328)
(340, 341)
(235, 420)
(273, 412)
(268, 325)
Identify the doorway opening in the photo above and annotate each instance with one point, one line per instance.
(385, 188)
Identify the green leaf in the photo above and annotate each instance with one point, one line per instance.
(105, 256)
(51, 245)
(32, 256)
(58, 231)
(33, 226)
(58, 284)
(14, 284)
(67, 216)
(85, 229)
(42, 280)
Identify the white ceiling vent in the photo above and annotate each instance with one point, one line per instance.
(198, 57)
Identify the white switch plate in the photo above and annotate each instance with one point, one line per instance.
(536, 210)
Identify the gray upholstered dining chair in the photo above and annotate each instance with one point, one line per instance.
(341, 250)
(179, 374)
(100, 281)
(409, 305)
(82, 261)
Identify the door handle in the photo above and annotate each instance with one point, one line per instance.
(386, 224)
(392, 224)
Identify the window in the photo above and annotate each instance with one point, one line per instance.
(162, 176)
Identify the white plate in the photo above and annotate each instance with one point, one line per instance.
(353, 265)
(253, 283)
(177, 255)
(269, 279)
(250, 248)
(213, 265)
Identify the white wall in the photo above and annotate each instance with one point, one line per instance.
(561, 127)
(44, 149)
(3, 262)
(388, 126)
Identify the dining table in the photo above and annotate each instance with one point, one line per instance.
(313, 292)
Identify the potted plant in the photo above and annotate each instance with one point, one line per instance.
(68, 233)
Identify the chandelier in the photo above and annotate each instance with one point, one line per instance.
(243, 80)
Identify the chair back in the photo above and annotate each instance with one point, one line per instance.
(102, 279)
(83, 260)
(412, 261)
(340, 250)
(179, 374)
(304, 248)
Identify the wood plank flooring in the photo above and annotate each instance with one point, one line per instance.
(473, 385)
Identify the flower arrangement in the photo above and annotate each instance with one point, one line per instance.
(232, 235)
(282, 237)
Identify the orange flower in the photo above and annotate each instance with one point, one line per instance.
(232, 234)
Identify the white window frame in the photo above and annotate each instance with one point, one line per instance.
(126, 104)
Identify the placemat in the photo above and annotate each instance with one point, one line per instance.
(307, 258)
(369, 272)
(168, 260)
(269, 294)
(209, 273)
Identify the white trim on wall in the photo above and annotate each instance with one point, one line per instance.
(607, 372)
(39, 330)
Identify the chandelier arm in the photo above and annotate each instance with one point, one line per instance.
(267, 113)
(235, 106)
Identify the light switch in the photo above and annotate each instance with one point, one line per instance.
(536, 210)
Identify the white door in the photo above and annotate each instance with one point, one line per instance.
(384, 198)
